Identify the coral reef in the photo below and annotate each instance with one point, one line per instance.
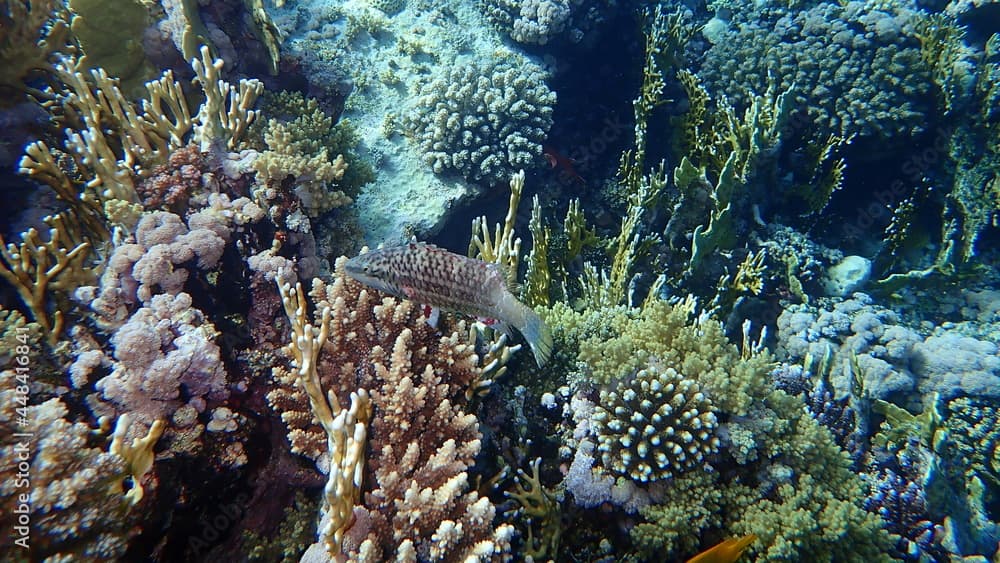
(530, 21)
(422, 439)
(169, 389)
(792, 469)
(170, 185)
(892, 359)
(855, 68)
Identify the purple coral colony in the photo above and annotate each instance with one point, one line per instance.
(762, 235)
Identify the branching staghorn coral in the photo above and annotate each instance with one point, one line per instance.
(422, 439)
(504, 247)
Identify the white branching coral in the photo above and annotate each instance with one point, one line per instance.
(484, 120)
(659, 425)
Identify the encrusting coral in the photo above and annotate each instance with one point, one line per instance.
(422, 440)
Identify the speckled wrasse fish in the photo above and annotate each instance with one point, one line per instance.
(444, 280)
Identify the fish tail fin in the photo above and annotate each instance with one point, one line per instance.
(537, 333)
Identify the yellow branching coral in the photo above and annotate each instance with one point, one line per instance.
(538, 280)
(110, 144)
(138, 454)
(227, 109)
(345, 428)
(32, 31)
(578, 236)
(539, 505)
(603, 288)
(36, 268)
(503, 248)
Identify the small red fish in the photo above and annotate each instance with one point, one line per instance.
(564, 163)
(727, 551)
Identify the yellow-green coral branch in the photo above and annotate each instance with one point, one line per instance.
(503, 248)
(346, 429)
(34, 266)
(227, 111)
(537, 279)
(138, 455)
(538, 504)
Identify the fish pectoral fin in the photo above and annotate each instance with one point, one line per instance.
(433, 315)
(495, 324)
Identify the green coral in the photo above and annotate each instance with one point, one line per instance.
(295, 533)
(694, 501)
(110, 34)
(725, 151)
(318, 129)
(673, 336)
(302, 140)
(974, 428)
(966, 82)
(786, 479)
(33, 31)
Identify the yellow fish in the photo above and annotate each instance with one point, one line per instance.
(727, 551)
(444, 280)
